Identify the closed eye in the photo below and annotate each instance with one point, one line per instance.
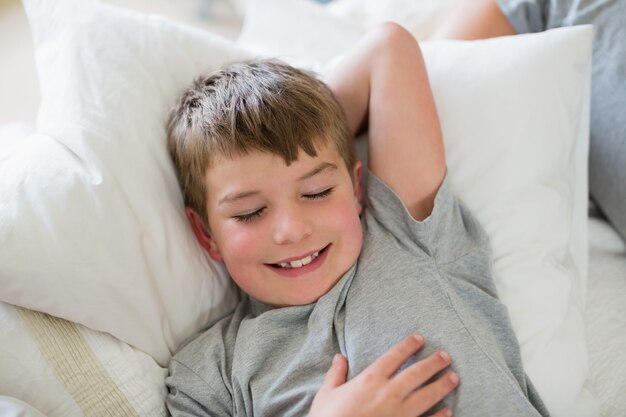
(248, 217)
(321, 194)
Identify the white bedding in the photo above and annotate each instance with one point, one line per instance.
(67, 370)
(43, 360)
(606, 317)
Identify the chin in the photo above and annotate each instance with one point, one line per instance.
(309, 298)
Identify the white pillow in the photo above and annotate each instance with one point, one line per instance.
(515, 119)
(63, 369)
(92, 227)
(11, 407)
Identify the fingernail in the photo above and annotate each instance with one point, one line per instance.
(445, 356)
(448, 413)
(454, 377)
(418, 337)
(336, 358)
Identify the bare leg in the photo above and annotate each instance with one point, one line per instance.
(475, 19)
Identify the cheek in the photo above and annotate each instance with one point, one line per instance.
(239, 250)
(238, 243)
(345, 218)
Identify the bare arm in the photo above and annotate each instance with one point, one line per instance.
(382, 83)
(475, 19)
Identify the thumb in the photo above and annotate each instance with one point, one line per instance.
(337, 373)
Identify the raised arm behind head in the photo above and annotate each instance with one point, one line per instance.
(382, 84)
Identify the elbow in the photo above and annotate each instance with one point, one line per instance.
(393, 40)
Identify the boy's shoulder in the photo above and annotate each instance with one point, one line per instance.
(449, 231)
(199, 373)
(385, 207)
(208, 345)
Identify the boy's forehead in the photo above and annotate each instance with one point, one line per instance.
(227, 174)
(239, 164)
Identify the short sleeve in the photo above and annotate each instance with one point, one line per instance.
(190, 395)
(449, 233)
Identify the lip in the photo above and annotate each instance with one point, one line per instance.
(296, 272)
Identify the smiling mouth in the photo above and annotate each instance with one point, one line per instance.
(299, 263)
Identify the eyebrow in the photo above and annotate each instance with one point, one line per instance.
(232, 197)
(318, 169)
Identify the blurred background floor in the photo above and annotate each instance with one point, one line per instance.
(19, 89)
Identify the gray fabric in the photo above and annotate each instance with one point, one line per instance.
(607, 159)
(431, 277)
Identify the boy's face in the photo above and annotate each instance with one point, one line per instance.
(286, 233)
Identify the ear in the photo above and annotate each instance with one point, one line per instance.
(357, 176)
(202, 234)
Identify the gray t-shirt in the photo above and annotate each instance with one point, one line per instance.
(431, 277)
(607, 153)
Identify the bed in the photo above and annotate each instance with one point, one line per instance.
(101, 280)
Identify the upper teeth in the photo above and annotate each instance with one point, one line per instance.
(300, 262)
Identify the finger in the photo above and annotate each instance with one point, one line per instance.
(391, 360)
(421, 371)
(444, 412)
(337, 373)
(431, 394)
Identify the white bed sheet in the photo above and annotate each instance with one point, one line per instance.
(605, 317)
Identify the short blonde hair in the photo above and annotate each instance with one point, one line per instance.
(261, 105)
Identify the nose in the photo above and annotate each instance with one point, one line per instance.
(291, 225)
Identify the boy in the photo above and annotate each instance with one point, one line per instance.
(266, 162)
